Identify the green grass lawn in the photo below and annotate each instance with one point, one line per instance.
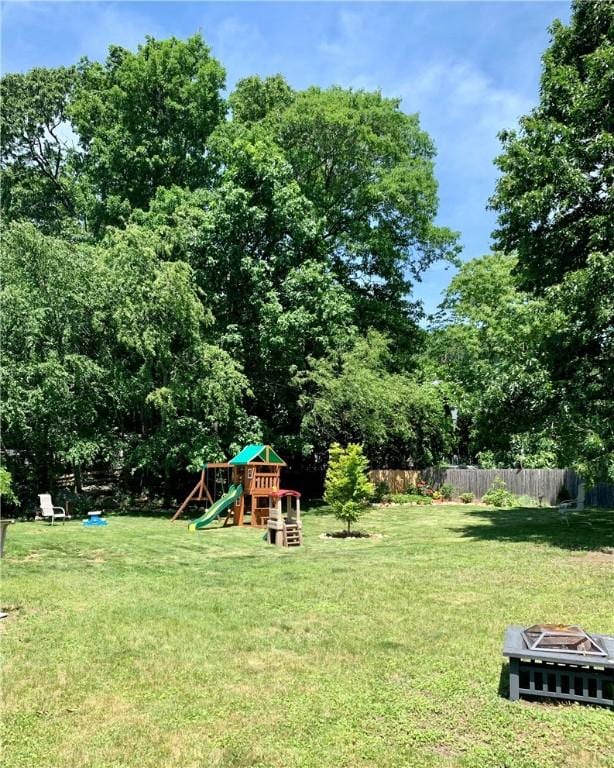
(143, 645)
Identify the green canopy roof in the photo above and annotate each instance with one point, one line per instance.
(261, 453)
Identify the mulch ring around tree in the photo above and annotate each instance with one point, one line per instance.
(350, 535)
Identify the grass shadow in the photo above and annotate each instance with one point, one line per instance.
(316, 507)
(196, 509)
(162, 514)
(591, 529)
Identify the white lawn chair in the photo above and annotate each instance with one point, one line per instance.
(48, 511)
(573, 505)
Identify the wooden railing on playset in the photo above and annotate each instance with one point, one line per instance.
(264, 482)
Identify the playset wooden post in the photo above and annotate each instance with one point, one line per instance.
(196, 494)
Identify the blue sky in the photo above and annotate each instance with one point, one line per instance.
(469, 68)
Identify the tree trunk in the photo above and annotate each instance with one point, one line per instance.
(42, 472)
(166, 489)
(78, 478)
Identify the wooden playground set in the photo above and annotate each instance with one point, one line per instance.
(251, 495)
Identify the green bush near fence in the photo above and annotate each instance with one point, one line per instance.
(526, 501)
(382, 490)
(410, 498)
(498, 495)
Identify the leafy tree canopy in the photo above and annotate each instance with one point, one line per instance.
(35, 145)
(554, 197)
(144, 120)
(185, 273)
(254, 98)
(554, 200)
(181, 269)
(357, 397)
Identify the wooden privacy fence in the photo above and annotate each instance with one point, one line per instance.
(601, 495)
(103, 477)
(396, 479)
(544, 484)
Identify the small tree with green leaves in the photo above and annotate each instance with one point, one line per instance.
(6, 487)
(348, 487)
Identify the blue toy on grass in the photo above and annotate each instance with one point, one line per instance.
(94, 519)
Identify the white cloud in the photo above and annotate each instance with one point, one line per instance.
(343, 51)
(242, 49)
(351, 30)
(114, 24)
(464, 109)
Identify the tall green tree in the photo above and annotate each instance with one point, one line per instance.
(36, 146)
(197, 278)
(554, 196)
(367, 168)
(180, 395)
(491, 353)
(583, 367)
(247, 241)
(356, 396)
(106, 358)
(144, 120)
(58, 404)
(554, 200)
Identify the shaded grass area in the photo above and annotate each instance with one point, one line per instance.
(140, 644)
(591, 529)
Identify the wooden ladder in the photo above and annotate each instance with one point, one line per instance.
(292, 535)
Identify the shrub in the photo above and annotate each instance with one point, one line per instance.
(419, 489)
(467, 497)
(6, 487)
(446, 490)
(410, 498)
(424, 488)
(498, 495)
(437, 496)
(526, 501)
(487, 460)
(347, 487)
(382, 489)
